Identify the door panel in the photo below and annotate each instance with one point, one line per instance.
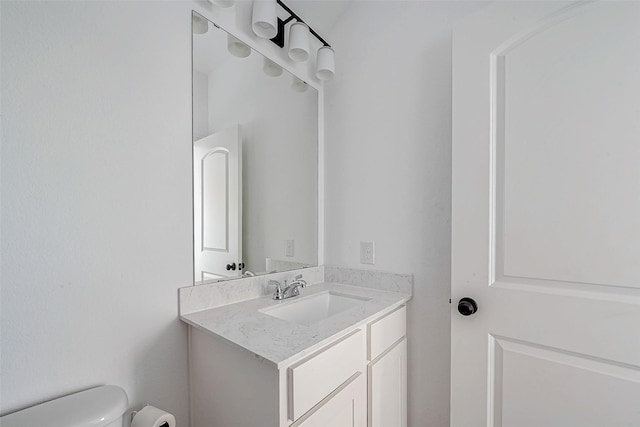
(215, 200)
(569, 167)
(546, 215)
(538, 388)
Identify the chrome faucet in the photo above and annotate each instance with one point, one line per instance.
(293, 290)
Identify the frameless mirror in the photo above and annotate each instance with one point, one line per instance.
(255, 161)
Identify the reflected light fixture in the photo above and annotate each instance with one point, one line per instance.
(298, 85)
(264, 18)
(267, 25)
(237, 48)
(270, 68)
(199, 24)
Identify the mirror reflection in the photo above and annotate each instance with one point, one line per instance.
(255, 161)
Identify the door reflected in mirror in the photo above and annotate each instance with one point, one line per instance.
(255, 161)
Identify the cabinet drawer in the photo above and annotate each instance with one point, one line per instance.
(386, 331)
(315, 377)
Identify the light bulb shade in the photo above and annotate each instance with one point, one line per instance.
(237, 48)
(270, 68)
(299, 42)
(200, 24)
(264, 19)
(298, 85)
(222, 3)
(325, 63)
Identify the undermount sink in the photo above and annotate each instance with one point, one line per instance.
(312, 309)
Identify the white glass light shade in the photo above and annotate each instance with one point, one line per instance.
(325, 63)
(299, 42)
(237, 48)
(298, 85)
(200, 24)
(222, 3)
(270, 68)
(264, 19)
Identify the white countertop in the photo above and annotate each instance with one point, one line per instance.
(280, 342)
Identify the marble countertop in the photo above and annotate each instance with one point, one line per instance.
(281, 342)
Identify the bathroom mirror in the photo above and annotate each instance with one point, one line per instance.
(255, 161)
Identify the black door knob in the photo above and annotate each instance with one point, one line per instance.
(467, 306)
(231, 266)
(241, 266)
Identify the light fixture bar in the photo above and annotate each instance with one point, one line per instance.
(279, 38)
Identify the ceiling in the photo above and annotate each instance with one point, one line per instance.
(321, 15)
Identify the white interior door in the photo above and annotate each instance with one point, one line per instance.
(546, 215)
(217, 186)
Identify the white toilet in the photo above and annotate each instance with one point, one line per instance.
(97, 407)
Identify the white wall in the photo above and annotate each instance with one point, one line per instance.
(96, 204)
(388, 169)
(96, 196)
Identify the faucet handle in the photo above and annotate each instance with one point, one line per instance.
(276, 284)
(279, 294)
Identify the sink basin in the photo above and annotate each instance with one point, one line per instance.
(312, 309)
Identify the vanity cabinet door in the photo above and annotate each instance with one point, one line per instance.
(388, 387)
(345, 407)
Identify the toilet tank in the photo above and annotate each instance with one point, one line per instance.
(97, 407)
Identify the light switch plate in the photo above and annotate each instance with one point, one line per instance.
(290, 249)
(367, 253)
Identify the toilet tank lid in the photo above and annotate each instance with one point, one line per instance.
(90, 408)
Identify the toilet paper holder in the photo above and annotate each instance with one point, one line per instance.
(134, 413)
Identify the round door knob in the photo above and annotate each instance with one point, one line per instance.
(467, 306)
(231, 266)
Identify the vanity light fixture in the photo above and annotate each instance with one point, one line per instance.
(264, 18)
(299, 42)
(237, 48)
(267, 25)
(325, 63)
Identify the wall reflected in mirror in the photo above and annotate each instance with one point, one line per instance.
(255, 164)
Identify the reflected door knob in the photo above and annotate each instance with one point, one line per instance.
(467, 306)
(231, 266)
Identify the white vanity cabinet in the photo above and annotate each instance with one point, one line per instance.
(357, 380)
